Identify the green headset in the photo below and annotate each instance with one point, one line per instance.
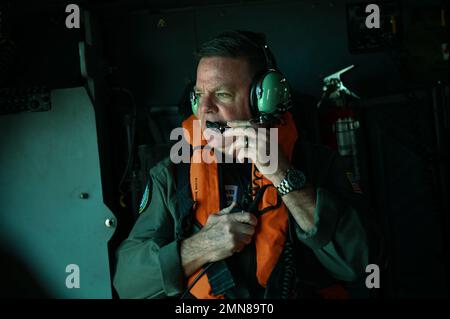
(270, 93)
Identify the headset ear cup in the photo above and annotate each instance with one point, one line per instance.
(264, 104)
(253, 101)
(259, 101)
(194, 103)
(275, 92)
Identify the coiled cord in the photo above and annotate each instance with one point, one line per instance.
(289, 270)
(254, 188)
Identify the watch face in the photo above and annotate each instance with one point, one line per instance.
(296, 179)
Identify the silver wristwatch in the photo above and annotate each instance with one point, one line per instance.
(294, 180)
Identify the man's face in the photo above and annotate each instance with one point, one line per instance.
(222, 87)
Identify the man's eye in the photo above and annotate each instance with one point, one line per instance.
(223, 95)
(197, 94)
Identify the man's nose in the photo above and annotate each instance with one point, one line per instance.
(207, 105)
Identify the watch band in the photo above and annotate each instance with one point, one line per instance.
(294, 180)
(284, 188)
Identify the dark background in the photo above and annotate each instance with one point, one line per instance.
(139, 57)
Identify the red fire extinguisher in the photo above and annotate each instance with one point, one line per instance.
(339, 124)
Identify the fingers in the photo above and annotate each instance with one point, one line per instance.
(242, 217)
(241, 142)
(245, 229)
(239, 124)
(246, 153)
(227, 209)
(229, 232)
(246, 138)
(246, 218)
(243, 240)
(242, 149)
(250, 132)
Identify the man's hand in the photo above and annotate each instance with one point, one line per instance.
(300, 203)
(223, 234)
(254, 144)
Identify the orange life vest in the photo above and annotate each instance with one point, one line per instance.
(270, 234)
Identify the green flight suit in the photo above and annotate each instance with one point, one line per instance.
(148, 261)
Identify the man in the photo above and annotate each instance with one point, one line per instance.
(294, 231)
